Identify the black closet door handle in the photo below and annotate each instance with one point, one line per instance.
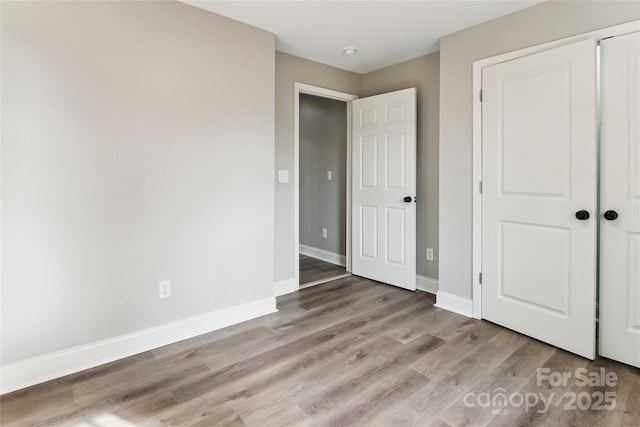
(611, 215)
(407, 199)
(582, 215)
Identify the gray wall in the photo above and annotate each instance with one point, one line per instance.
(137, 146)
(424, 74)
(546, 22)
(323, 147)
(291, 69)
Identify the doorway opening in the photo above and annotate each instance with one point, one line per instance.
(322, 157)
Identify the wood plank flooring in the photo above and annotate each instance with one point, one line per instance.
(349, 352)
(314, 270)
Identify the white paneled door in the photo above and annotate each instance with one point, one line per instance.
(620, 200)
(539, 214)
(384, 188)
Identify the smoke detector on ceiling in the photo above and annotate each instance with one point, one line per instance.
(350, 51)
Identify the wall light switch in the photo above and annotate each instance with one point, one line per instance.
(329, 175)
(324, 233)
(283, 176)
(429, 254)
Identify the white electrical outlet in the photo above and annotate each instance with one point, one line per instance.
(329, 175)
(164, 288)
(324, 233)
(429, 254)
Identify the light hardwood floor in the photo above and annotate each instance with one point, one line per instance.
(314, 270)
(348, 352)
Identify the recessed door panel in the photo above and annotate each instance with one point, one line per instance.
(395, 161)
(368, 117)
(536, 162)
(633, 284)
(535, 262)
(369, 232)
(395, 236)
(633, 81)
(395, 113)
(368, 162)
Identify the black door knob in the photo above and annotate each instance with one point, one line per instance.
(611, 215)
(407, 199)
(582, 215)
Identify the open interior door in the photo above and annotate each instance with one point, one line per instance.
(384, 188)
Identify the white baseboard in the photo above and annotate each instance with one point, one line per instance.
(427, 284)
(323, 255)
(43, 368)
(460, 305)
(284, 287)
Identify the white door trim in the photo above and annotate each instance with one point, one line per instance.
(323, 93)
(597, 35)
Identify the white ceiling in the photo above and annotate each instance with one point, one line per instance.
(384, 32)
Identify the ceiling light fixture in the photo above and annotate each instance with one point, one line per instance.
(350, 51)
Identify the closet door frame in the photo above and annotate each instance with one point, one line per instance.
(597, 35)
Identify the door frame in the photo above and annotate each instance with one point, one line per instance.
(303, 88)
(617, 30)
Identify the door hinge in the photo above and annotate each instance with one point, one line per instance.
(480, 278)
(480, 95)
(480, 187)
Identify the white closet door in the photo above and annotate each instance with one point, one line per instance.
(620, 200)
(539, 171)
(384, 188)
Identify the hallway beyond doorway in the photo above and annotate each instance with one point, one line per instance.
(314, 271)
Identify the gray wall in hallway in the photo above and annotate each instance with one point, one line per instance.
(323, 147)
